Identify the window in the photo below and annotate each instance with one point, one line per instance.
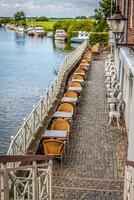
(131, 13)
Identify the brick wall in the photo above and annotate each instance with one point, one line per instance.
(130, 25)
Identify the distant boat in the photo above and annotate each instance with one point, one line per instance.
(39, 31)
(9, 26)
(82, 35)
(30, 31)
(20, 29)
(60, 34)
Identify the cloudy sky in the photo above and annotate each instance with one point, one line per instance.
(49, 8)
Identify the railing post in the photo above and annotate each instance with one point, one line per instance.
(34, 177)
(24, 134)
(33, 121)
(50, 179)
(41, 108)
(4, 183)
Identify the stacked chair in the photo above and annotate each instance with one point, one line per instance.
(113, 91)
(57, 146)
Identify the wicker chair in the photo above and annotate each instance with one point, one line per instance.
(80, 71)
(75, 84)
(83, 67)
(66, 107)
(60, 124)
(54, 148)
(71, 94)
(78, 77)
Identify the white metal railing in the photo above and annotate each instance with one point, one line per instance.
(29, 182)
(129, 183)
(23, 138)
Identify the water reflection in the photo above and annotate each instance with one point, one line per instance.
(20, 38)
(62, 45)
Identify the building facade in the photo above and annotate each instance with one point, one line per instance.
(124, 61)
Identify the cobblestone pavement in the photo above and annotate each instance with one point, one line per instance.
(94, 164)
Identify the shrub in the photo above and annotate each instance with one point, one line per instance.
(98, 37)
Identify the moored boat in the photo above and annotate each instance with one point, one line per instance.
(60, 34)
(20, 29)
(39, 31)
(82, 35)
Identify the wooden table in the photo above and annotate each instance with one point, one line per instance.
(76, 89)
(69, 99)
(63, 114)
(55, 134)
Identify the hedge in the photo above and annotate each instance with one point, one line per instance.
(99, 37)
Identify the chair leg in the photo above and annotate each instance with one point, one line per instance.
(61, 161)
(118, 124)
(110, 120)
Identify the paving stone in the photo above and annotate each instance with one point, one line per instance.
(94, 165)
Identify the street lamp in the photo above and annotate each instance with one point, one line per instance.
(117, 23)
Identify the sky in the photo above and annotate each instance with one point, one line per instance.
(49, 8)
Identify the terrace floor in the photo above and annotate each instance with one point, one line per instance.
(94, 167)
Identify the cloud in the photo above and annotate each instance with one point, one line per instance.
(49, 8)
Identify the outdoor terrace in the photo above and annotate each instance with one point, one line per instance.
(95, 161)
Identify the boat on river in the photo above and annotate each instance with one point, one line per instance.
(39, 31)
(20, 29)
(60, 34)
(35, 31)
(82, 35)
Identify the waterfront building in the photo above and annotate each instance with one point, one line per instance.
(124, 61)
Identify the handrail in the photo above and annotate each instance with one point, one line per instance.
(26, 158)
(23, 138)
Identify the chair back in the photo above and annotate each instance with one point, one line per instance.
(60, 124)
(83, 67)
(75, 84)
(119, 95)
(66, 107)
(80, 71)
(53, 147)
(78, 77)
(71, 94)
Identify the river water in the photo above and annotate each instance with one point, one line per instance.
(26, 70)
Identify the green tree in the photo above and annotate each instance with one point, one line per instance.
(42, 18)
(20, 18)
(102, 13)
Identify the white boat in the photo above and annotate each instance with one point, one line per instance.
(60, 34)
(39, 31)
(20, 29)
(82, 35)
(30, 31)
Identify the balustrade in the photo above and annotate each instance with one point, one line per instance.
(29, 182)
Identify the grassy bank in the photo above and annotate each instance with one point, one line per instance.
(47, 25)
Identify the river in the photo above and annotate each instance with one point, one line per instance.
(26, 69)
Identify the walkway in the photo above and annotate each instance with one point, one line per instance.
(94, 168)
